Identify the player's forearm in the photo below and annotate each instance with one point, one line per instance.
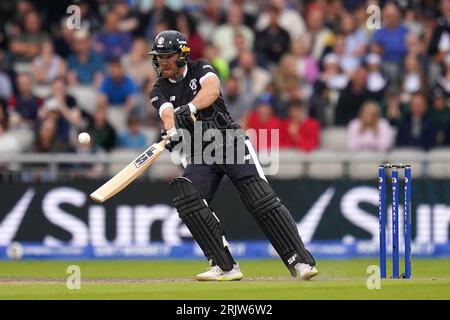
(168, 119)
(209, 93)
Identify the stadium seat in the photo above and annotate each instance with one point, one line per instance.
(439, 163)
(9, 143)
(325, 164)
(86, 97)
(291, 164)
(334, 139)
(413, 156)
(364, 165)
(24, 138)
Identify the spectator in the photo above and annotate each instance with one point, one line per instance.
(86, 67)
(27, 45)
(102, 133)
(393, 109)
(6, 87)
(369, 132)
(360, 15)
(348, 63)
(148, 115)
(63, 39)
(133, 137)
(333, 76)
(417, 129)
(355, 41)
(24, 106)
(412, 21)
(4, 118)
(47, 139)
(128, 21)
(392, 38)
(299, 131)
(117, 88)
(248, 10)
(273, 41)
(159, 12)
(377, 80)
(137, 63)
(89, 16)
(211, 53)
(289, 19)
(63, 108)
(447, 136)
(112, 43)
(237, 101)
(252, 79)
(441, 114)
(321, 36)
(413, 79)
(8, 142)
(48, 66)
(212, 15)
(440, 39)
(443, 80)
(262, 121)
(286, 75)
(17, 16)
(327, 90)
(188, 27)
(224, 35)
(352, 98)
(305, 66)
(290, 85)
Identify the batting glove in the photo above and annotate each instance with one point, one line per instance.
(185, 117)
(172, 136)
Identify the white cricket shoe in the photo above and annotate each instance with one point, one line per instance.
(305, 271)
(215, 273)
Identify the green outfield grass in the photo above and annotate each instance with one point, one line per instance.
(266, 279)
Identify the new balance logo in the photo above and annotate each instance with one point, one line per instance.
(292, 259)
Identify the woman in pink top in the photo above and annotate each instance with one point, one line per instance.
(369, 132)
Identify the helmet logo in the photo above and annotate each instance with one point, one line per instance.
(160, 40)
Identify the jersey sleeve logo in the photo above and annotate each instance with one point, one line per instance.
(207, 66)
(193, 84)
(154, 99)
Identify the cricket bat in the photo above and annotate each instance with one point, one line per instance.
(129, 173)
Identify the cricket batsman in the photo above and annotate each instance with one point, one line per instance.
(187, 96)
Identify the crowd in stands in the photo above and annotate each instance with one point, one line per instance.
(297, 66)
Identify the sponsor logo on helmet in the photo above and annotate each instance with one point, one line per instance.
(160, 40)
